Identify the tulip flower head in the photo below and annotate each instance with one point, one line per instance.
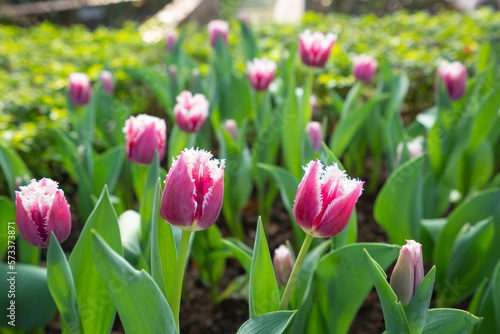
(41, 208)
(415, 149)
(144, 135)
(80, 88)
(191, 111)
(218, 28)
(194, 188)
(261, 73)
(408, 272)
(108, 82)
(232, 127)
(454, 77)
(364, 68)
(315, 132)
(325, 200)
(283, 264)
(171, 39)
(315, 47)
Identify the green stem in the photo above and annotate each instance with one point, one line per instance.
(295, 272)
(179, 276)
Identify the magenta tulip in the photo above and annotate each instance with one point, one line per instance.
(364, 68)
(315, 48)
(454, 77)
(218, 28)
(108, 82)
(194, 188)
(80, 89)
(191, 111)
(261, 73)
(41, 208)
(283, 264)
(171, 39)
(232, 127)
(145, 135)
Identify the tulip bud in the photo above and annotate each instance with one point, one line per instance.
(261, 73)
(144, 135)
(408, 272)
(325, 200)
(243, 17)
(41, 208)
(364, 68)
(283, 264)
(171, 39)
(232, 127)
(194, 188)
(191, 111)
(108, 82)
(454, 77)
(313, 102)
(315, 48)
(315, 132)
(80, 88)
(217, 28)
(415, 149)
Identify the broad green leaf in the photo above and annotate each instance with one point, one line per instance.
(7, 214)
(158, 83)
(236, 102)
(14, 169)
(489, 307)
(140, 303)
(263, 293)
(241, 252)
(394, 314)
(168, 255)
(34, 306)
(351, 99)
(483, 120)
(449, 321)
(146, 210)
(477, 298)
(416, 313)
(97, 317)
(291, 136)
(107, 169)
(62, 287)
(156, 263)
(269, 323)
(130, 230)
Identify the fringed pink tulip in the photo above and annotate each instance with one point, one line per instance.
(364, 68)
(261, 73)
(191, 111)
(108, 82)
(218, 28)
(41, 208)
(408, 272)
(454, 77)
(145, 135)
(232, 127)
(283, 264)
(194, 188)
(325, 200)
(171, 39)
(80, 88)
(315, 48)
(315, 132)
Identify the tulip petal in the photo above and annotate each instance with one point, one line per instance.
(140, 148)
(59, 218)
(307, 204)
(26, 226)
(402, 278)
(212, 204)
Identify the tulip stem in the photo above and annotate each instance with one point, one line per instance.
(179, 276)
(295, 272)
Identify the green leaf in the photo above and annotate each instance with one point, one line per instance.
(156, 263)
(449, 321)
(264, 295)
(107, 169)
(62, 287)
(7, 214)
(416, 313)
(90, 286)
(168, 255)
(140, 303)
(483, 121)
(489, 307)
(130, 229)
(241, 252)
(34, 306)
(394, 314)
(14, 169)
(270, 323)
(236, 102)
(158, 84)
(146, 210)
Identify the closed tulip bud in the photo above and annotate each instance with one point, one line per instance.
(191, 111)
(41, 208)
(313, 102)
(261, 73)
(315, 48)
(364, 68)
(454, 77)
(194, 188)
(243, 17)
(408, 272)
(232, 127)
(80, 88)
(171, 39)
(283, 264)
(108, 82)
(315, 132)
(145, 135)
(415, 148)
(325, 200)
(218, 28)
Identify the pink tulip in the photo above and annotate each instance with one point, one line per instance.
(261, 73)
(315, 48)
(408, 272)
(41, 208)
(313, 102)
(243, 17)
(315, 132)
(325, 200)
(108, 82)
(415, 149)
(191, 111)
(364, 68)
(283, 264)
(80, 88)
(144, 135)
(194, 188)
(218, 28)
(171, 39)
(232, 127)
(454, 77)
